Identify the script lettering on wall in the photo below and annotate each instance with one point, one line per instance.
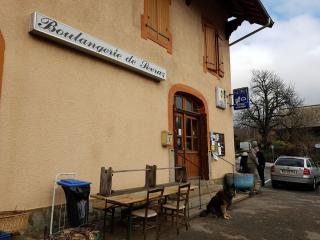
(50, 28)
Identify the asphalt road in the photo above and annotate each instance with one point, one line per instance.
(273, 214)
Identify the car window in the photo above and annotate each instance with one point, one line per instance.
(293, 162)
(308, 163)
(312, 163)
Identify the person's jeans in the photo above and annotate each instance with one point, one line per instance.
(261, 174)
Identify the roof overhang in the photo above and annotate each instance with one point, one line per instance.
(252, 11)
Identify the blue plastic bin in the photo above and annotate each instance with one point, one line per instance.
(241, 181)
(73, 183)
(77, 195)
(5, 236)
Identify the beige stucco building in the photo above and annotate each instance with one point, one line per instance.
(63, 110)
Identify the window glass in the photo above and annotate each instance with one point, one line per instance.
(308, 163)
(188, 127)
(179, 125)
(178, 122)
(188, 143)
(194, 128)
(292, 162)
(178, 102)
(195, 107)
(188, 105)
(179, 143)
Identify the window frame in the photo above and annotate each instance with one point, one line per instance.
(297, 162)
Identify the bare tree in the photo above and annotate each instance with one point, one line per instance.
(272, 101)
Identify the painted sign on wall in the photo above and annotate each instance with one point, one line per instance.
(241, 98)
(52, 29)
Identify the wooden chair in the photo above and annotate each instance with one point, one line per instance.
(151, 211)
(179, 207)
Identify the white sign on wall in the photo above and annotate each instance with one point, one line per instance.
(52, 29)
(221, 98)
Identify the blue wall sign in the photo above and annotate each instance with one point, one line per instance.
(240, 98)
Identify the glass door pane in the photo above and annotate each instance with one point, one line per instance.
(195, 128)
(179, 131)
(195, 135)
(188, 127)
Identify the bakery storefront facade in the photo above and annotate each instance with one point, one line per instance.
(120, 84)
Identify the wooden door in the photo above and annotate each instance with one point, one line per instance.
(187, 135)
(192, 146)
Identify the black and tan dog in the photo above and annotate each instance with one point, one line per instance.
(220, 203)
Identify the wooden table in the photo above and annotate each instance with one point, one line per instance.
(129, 199)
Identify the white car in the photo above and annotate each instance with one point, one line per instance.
(295, 170)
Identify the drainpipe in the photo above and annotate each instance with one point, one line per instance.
(269, 24)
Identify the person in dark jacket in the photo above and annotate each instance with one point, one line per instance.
(261, 165)
(244, 162)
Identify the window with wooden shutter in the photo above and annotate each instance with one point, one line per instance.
(155, 22)
(213, 60)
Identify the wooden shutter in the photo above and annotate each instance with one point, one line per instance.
(1, 59)
(220, 56)
(164, 36)
(155, 22)
(210, 45)
(151, 19)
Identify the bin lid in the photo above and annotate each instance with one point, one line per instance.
(72, 183)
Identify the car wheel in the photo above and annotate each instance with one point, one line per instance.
(274, 184)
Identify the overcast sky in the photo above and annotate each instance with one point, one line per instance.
(291, 48)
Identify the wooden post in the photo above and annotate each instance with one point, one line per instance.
(151, 176)
(105, 181)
